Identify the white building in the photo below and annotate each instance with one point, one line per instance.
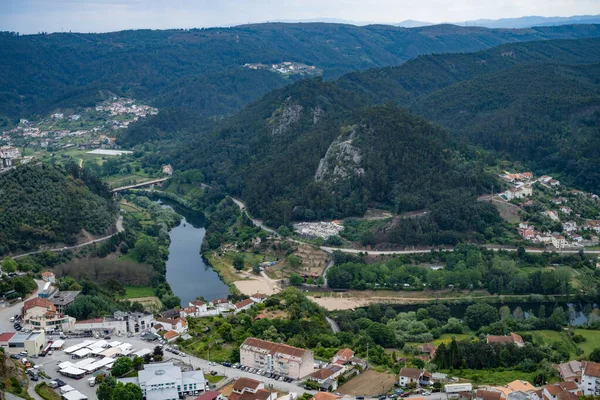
(278, 358)
(243, 305)
(518, 192)
(559, 241)
(165, 381)
(258, 297)
(590, 378)
(178, 325)
(7, 155)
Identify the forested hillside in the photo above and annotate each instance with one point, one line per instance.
(314, 151)
(44, 204)
(202, 68)
(547, 116)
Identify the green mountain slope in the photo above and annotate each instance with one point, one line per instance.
(423, 75)
(547, 116)
(314, 151)
(43, 204)
(41, 72)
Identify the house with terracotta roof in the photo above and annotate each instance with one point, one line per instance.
(40, 313)
(243, 305)
(258, 297)
(171, 335)
(570, 371)
(210, 395)
(326, 377)
(251, 389)
(488, 395)
(523, 386)
(590, 378)
(429, 349)
(48, 276)
(178, 325)
(343, 356)
(413, 375)
(511, 338)
(561, 391)
(279, 358)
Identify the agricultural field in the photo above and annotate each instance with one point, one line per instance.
(369, 383)
(137, 291)
(547, 337)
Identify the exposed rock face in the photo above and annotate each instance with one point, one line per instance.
(342, 160)
(284, 117)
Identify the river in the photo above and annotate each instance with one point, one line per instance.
(187, 273)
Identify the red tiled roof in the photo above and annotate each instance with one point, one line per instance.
(488, 395)
(567, 396)
(39, 302)
(208, 395)
(199, 303)
(345, 354)
(6, 336)
(259, 296)
(47, 273)
(592, 369)
(171, 334)
(273, 348)
(568, 385)
(243, 303)
(243, 383)
(261, 394)
(553, 389)
(411, 373)
(325, 373)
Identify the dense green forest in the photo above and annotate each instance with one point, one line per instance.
(278, 155)
(46, 203)
(286, 153)
(547, 116)
(466, 268)
(202, 68)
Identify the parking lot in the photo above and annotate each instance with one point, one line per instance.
(49, 365)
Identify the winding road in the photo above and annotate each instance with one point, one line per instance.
(120, 229)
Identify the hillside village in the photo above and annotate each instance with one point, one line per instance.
(266, 370)
(551, 213)
(82, 128)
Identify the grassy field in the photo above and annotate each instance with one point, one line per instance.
(214, 379)
(592, 340)
(138, 291)
(548, 337)
(223, 265)
(447, 337)
(499, 376)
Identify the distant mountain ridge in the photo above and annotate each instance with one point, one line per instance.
(202, 69)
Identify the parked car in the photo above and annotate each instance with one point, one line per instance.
(15, 356)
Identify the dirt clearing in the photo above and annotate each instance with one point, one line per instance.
(368, 383)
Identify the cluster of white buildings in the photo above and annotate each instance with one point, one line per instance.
(286, 67)
(165, 381)
(8, 156)
(318, 229)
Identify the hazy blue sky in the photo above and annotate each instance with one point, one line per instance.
(31, 16)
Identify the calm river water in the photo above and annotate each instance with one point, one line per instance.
(187, 273)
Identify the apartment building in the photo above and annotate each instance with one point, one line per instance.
(278, 358)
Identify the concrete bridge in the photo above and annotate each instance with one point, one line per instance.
(139, 185)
